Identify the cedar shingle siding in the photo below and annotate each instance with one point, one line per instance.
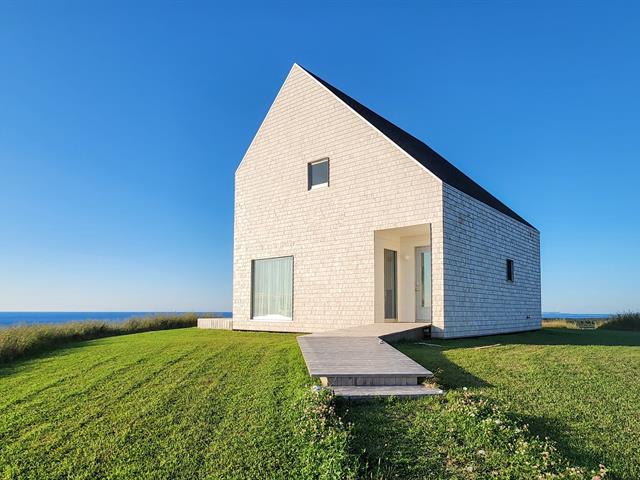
(374, 185)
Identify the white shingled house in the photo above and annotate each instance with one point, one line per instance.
(343, 219)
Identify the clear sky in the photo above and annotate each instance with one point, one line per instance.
(122, 123)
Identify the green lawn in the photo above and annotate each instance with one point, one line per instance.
(171, 404)
(580, 388)
(194, 403)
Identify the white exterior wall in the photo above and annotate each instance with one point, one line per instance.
(478, 299)
(329, 231)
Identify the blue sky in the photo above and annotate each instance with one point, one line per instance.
(122, 123)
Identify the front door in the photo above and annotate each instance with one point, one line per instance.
(423, 284)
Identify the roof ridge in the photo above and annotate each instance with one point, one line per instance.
(423, 153)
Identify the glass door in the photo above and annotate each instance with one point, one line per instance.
(423, 284)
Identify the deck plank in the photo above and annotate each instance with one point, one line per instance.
(359, 352)
(409, 391)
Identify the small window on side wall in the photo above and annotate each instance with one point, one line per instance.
(318, 174)
(509, 270)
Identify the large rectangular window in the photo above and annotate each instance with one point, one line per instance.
(318, 174)
(272, 288)
(390, 283)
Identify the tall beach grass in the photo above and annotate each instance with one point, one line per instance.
(574, 323)
(629, 321)
(22, 340)
(623, 321)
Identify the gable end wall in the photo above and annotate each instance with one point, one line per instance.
(373, 185)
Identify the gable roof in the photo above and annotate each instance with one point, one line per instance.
(423, 154)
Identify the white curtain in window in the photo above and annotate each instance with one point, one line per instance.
(273, 288)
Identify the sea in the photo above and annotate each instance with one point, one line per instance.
(574, 316)
(21, 318)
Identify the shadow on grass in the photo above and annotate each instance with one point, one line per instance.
(406, 439)
(550, 336)
(446, 373)
(382, 438)
(386, 431)
(575, 450)
(431, 353)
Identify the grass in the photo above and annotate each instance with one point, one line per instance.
(22, 340)
(194, 403)
(172, 404)
(579, 388)
(461, 435)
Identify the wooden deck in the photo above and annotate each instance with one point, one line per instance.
(387, 331)
(359, 363)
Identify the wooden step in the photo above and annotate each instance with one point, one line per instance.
(408, 391)
(359, 363)
(371, 380)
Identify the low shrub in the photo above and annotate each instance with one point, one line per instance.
(22, 340)
(623, 321)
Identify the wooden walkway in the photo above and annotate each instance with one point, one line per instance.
(359, 363)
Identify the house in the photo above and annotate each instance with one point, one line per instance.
(343, 219)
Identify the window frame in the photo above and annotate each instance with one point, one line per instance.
(268, 318)
(510, 272)
(394, 304)
(310, 186)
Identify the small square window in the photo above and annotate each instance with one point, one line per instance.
(318, 173)
(509, 270)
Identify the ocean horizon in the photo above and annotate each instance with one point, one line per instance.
(26, 318)
(574, 316)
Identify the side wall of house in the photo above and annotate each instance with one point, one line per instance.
(329, 231)
(478, 240)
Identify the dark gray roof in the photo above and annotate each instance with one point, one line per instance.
(424, 154)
